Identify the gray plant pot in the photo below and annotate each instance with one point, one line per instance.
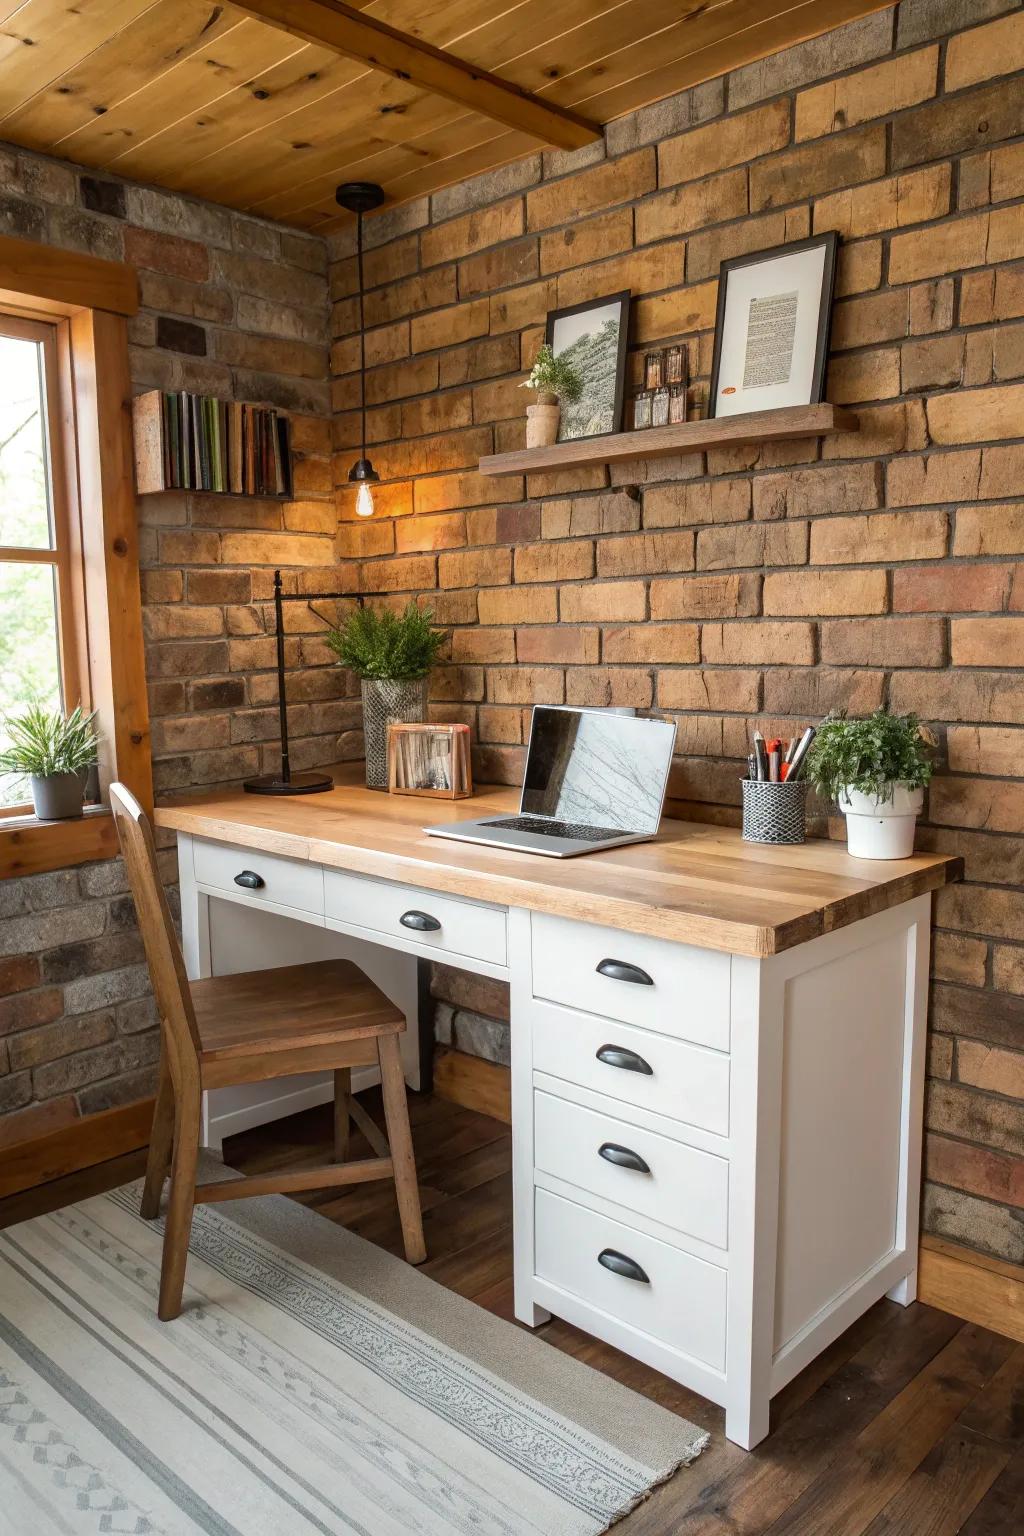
(58, 796)
(388, 702)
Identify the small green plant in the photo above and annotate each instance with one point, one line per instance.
(553, 375)
(871, 754)
(377, 643)
(43, 742)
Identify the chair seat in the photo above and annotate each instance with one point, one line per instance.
(261, 1012)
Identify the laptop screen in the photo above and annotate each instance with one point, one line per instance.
(599, 769)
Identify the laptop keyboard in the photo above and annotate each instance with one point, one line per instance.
(573, 829)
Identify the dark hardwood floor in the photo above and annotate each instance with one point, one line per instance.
(911, 1424)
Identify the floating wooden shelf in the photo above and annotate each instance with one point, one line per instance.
(685, 437)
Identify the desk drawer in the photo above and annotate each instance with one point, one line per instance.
(683, 1188)
(283, 882)
(682, 1302)
(673, 988)
(684, 1082)
(462, 927)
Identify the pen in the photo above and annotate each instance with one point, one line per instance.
(773, 766)
(761, 755)
(751, 767)
(800, 754)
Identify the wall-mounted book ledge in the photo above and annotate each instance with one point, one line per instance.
(685, 437)
(197, 443)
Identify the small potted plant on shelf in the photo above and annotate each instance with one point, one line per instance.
(392, 655)
(55, 752)
(554, 379)
(875, 769)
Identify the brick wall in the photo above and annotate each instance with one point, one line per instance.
(763, 583)
(234, 307)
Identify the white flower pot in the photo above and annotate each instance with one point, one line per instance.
(881, 829)
(542, 423)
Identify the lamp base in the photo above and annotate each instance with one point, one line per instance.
(298, 784)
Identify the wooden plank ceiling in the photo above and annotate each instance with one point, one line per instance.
(236, 104)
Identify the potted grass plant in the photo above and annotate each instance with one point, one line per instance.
(554, 379)
(392, 655)
(875, 769)
(54, 752)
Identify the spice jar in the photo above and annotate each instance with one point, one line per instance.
(654, 370)
(675, 365)
(659, 407)
(642, 410)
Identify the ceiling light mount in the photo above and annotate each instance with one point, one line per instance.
(359, 197)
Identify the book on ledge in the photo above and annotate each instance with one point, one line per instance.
(194, 442)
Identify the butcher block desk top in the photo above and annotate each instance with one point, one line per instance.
(696, 884)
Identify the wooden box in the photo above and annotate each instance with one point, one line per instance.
(430, 760)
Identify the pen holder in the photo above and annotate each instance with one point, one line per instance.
(774, 813)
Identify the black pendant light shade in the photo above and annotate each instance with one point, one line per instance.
(359, 197)
(363, 473)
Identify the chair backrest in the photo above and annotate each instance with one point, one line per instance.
(163, 952)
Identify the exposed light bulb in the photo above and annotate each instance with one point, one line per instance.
(364, 501)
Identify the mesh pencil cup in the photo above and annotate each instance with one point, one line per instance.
(774, 813)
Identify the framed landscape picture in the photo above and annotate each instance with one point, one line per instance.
(592, 336)
(771, 330)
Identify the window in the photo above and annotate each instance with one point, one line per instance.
(41, 610)
(70, 610)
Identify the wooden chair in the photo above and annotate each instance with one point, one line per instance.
(246, 1029)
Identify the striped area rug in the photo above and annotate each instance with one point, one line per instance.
(336, 1392)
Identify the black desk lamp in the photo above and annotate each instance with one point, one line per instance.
(286, 782)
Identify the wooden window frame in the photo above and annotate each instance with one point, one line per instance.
(89, 301)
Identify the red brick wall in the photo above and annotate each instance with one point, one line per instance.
(750, 583)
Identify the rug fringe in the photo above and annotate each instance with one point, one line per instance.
(686, 1460)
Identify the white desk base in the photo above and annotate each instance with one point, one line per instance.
(780, 1120)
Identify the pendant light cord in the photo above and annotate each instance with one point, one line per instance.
(362, 335)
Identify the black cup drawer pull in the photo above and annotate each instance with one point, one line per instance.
(621, 970)
(251, 880)
(421, 921)
(629, 1061)
(623, 1157)
(619, 1264)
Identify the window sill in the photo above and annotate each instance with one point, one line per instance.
(29, 846)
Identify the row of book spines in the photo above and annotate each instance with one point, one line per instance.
(218, 445)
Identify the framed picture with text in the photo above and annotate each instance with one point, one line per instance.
(592, 337)
(772, 326)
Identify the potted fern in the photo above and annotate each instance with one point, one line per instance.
(554, 379)
(54, 752)
(392, 655)
(875, 769)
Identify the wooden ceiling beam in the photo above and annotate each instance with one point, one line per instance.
(332, 24)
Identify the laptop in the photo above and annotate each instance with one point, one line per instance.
(594, 779)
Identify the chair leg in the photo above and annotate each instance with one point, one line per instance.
(180, 1205)
(342, 1122)
(396, 1113)
(160, 1140)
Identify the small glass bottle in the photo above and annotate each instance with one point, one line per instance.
(641, 410)
(654, 370)
(675, 365)
(677, 403)
(659, 407)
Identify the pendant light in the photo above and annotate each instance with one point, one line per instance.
(361, 197)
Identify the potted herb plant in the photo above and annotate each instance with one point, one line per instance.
(554, 379)
(55, 752)
(875, 769)
(392, 655)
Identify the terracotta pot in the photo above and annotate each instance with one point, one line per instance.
(542, 422)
